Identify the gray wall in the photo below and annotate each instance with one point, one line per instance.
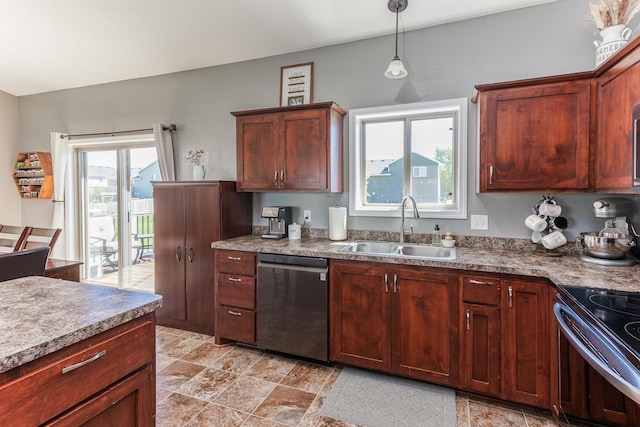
(444, 62)
(11, 210)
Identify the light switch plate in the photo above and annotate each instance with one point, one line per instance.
(479, 222)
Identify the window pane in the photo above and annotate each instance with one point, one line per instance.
(383, 156)
(432, 146)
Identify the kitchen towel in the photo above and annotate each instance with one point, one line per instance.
(337, 223)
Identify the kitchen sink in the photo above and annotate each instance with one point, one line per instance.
(371, 247)
(409, 250)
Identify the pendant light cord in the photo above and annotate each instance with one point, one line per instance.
(397, 8)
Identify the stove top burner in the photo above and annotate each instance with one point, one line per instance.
(623, 304)
(633, 329)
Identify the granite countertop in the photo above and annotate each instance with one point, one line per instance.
(40, 315)
(567, 270)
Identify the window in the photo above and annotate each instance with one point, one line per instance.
(412, 149)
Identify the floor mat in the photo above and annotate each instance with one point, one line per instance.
(377, 400)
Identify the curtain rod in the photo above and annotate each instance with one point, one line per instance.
(170, 128)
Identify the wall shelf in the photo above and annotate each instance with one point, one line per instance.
(33, 175)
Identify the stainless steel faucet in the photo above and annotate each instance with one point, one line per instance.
(416, 215)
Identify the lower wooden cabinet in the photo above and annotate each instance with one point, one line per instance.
(583, 393)
(504, 338)
(235, 295)
(128, 403)
(525, 341)
(108, 379)
(395, 319)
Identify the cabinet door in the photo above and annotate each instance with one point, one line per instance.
(425, 325)
(258, 152)
(480, 348)
(130, 402)
(360, 315)
(526, 346)
(169, 252)
(572, 383)
(607, 404)
(618, 92)
(202, 219)
(535, 137)
(306, 150)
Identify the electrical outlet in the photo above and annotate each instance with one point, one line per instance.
(307, 216)
(479, 222)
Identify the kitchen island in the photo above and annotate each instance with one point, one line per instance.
(567, 270)
(72, 353)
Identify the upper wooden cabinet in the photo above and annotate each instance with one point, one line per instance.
(618, 91)
(562, 133)
(290, 148)
(535, 136)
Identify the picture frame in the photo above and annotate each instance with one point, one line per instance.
(296, 84)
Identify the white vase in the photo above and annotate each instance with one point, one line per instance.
(198, 172)
(613, 39)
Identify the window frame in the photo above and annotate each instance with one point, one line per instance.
(357, 169)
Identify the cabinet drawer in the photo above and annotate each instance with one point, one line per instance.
(237, 291)
(481, 289)
(70, 378)
(236, 262)
(236, 324)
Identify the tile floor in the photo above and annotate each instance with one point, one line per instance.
(201, 384)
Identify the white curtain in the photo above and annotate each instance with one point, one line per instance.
(63, 198)
(164, 147)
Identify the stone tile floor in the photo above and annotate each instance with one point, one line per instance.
(201, 384)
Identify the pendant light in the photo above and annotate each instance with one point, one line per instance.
(396, 68)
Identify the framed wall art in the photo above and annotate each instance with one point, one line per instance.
(296, 84)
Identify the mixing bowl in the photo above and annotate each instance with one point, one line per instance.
(605, 247)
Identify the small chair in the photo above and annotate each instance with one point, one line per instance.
(31, 262)
(101, 240)
(12, 237)
(38, 237)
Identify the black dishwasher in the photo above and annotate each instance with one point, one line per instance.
(292, 305)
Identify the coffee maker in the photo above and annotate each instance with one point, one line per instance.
(616, 243)
(279, 219)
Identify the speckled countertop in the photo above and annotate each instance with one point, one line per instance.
(40, 315)
(567, 270)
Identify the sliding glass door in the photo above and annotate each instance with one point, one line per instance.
(116, 203)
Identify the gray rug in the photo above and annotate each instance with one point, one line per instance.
(378, 400)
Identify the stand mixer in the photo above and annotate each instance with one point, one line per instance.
(614, 243)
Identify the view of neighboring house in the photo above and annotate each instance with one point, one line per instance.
(141, 187)
(384, 180)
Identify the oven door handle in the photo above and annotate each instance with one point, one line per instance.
(599, 352)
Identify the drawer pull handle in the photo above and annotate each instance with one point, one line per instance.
(468, 319)
(395, 283)
(233, 279)
(235, 313)
(85, 362)
(234, 258)
(478, 282)
(491, 175)
(386, 282)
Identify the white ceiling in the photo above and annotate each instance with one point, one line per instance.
(50, 45)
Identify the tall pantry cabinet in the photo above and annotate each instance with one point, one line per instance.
(188, 217)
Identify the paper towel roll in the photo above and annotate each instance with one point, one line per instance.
(338, 223)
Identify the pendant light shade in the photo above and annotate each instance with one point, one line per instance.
(396, 69)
